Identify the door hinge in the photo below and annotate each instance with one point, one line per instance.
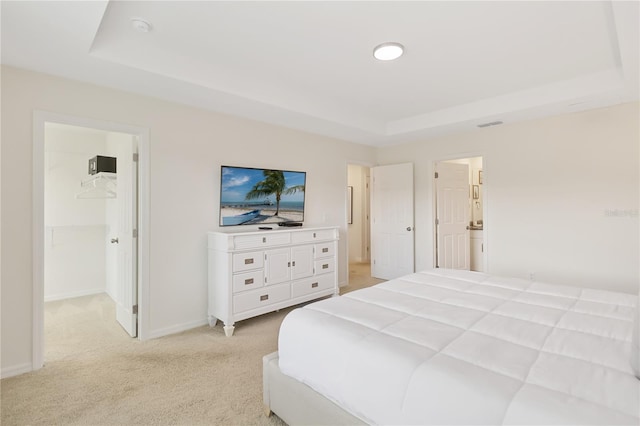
(436, 175)
(437, 221)
(135, 157)
(134, 309)
(134, 233)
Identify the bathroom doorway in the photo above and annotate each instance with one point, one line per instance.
(459, 210)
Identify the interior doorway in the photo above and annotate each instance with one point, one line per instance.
(89, 203)
(358, 227)
(459, 212)
(61, 168)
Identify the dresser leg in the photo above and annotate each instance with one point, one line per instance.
(212, 321)
(228, 330)
(267, 410)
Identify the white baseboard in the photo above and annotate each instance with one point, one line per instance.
(154, 334)
(72, 294)
(15, 370)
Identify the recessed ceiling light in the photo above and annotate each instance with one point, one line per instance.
(140, 25)
(388, 51)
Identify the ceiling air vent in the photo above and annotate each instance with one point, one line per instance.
(493, 123)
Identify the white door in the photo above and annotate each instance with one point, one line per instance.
(392, 221)
(127, 241)
(452, 216)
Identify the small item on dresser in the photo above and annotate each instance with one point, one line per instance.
(290, 224)
(264, 227)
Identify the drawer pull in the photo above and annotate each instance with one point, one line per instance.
(325, 266)
(314, 285)
(314, 235)
(248, 281)
(264, 239)
(325, 249)
(264, 297)
(248, 261)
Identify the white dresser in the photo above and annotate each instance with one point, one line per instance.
(252, 273)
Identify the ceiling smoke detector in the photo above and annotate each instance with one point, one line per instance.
(140, 25)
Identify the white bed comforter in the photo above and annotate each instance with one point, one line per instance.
(459, 347)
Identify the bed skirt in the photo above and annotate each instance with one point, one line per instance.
(296, 403)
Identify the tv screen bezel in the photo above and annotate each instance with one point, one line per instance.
(266, 222)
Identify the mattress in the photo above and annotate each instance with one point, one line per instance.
(460, 347)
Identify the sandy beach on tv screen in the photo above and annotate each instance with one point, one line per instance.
(265, 214)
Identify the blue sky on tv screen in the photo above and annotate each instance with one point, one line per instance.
(237, 181)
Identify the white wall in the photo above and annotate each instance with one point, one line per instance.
(74, 228)
(111, 221)
(187, 146)
(561, 196)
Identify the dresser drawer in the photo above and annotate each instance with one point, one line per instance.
(324, 250)
(324, 266)
(243, 242)
(248, 280)
(248, 261)
(255, 299)
(311, 285)
(310, 236)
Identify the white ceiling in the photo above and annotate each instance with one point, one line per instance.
(309, 65)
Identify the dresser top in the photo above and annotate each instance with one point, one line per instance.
(276, 229)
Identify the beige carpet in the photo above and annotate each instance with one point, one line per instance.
(96, 375)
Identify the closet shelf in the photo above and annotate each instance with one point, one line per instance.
(100, 185)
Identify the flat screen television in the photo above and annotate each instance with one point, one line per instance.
(250, 196)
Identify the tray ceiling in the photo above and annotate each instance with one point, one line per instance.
(309, 65)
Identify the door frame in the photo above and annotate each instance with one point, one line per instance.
(38, 232)
(485, 204)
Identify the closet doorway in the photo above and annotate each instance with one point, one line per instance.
(90, 238)
(90, 182)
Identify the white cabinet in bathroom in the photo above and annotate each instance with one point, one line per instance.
(477, 250)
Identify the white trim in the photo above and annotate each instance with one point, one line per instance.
(154, 334)
(15, 370)
(39, 120)
(73, 294)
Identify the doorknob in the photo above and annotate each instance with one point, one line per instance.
(408, 228)
(114, 240)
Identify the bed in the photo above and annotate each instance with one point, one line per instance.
(457, 347)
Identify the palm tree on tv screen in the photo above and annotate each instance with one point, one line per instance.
(273, 183)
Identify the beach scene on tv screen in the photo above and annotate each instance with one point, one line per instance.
(259, 196)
